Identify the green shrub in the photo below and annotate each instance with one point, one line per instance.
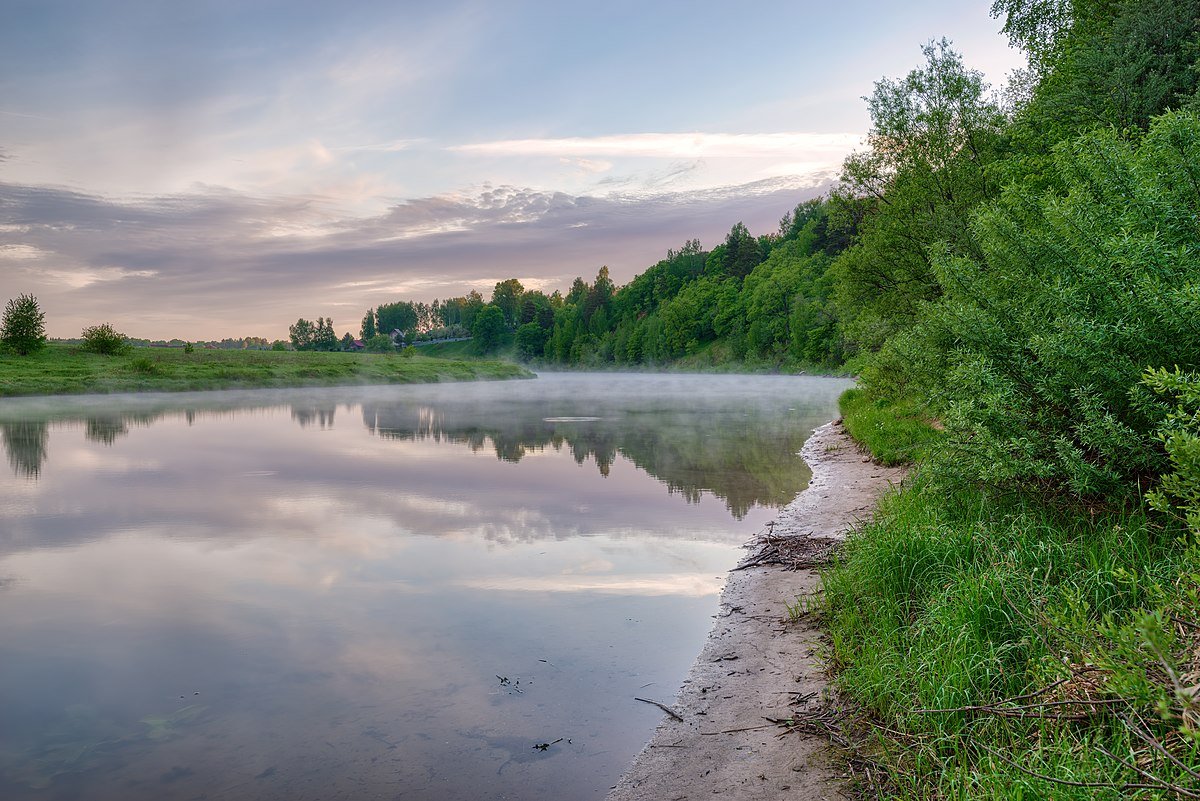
(1179, 490)
(23, 329)
(380, 343)
(1035, 352)
(104, 339)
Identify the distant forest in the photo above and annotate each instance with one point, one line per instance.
(764, 298)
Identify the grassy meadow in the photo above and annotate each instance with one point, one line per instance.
(67, 370)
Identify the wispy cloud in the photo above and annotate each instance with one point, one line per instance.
(672, 145)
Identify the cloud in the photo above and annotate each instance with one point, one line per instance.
(215, 263)
(673, 145)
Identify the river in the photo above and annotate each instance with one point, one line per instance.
(431, 592)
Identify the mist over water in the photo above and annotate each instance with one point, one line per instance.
(373, 592)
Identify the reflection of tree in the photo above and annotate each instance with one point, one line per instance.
(106, 429)
(307, 415)
(25, 442)
(746, 457)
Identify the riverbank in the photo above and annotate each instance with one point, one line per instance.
(745, 724)
(67, 370)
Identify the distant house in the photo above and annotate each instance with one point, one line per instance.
(357, 345)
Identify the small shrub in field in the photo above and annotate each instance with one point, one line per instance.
(104, 339)
(144, 365)
(409, 352)
(189, 348)
(24, 326)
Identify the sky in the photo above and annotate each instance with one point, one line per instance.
(223, 167)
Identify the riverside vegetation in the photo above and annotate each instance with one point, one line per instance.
(1023, 620)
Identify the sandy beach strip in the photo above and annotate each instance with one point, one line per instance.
(762, 664)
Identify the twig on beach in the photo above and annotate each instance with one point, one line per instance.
(663, 707)
(734, 731)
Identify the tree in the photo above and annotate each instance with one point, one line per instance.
(507, 297)
(368, 325)
(742, 252)
(933, 136)
(1035, 354)
(489, 328)
(301, 334)
(531, 340)
(24, 326)
(401, 316)
(323, 336)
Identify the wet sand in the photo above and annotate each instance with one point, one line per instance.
(762, 663)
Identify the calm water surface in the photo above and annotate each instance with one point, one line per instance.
(371, 592)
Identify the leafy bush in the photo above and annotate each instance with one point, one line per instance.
(23, 329)
(1180, 434)
(380, 343)
(104, 339)
(1035, 352)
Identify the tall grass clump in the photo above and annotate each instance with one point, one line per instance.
(894, 431)
(1002, 647)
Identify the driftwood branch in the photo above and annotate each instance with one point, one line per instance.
(663, 707)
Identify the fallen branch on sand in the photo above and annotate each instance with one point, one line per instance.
(791, 552)
(663, 707)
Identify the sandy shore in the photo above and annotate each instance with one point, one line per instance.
(760, 664)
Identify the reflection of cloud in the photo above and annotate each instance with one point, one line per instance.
(693, 585)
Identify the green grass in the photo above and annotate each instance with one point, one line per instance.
(895, 432)
(65, 369)
(951, 599)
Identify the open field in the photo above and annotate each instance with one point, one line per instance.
(65, 369)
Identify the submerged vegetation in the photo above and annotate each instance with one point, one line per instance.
(68, 369)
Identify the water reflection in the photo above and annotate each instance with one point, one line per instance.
(25, 442)
(742, 452)
(311, 594)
